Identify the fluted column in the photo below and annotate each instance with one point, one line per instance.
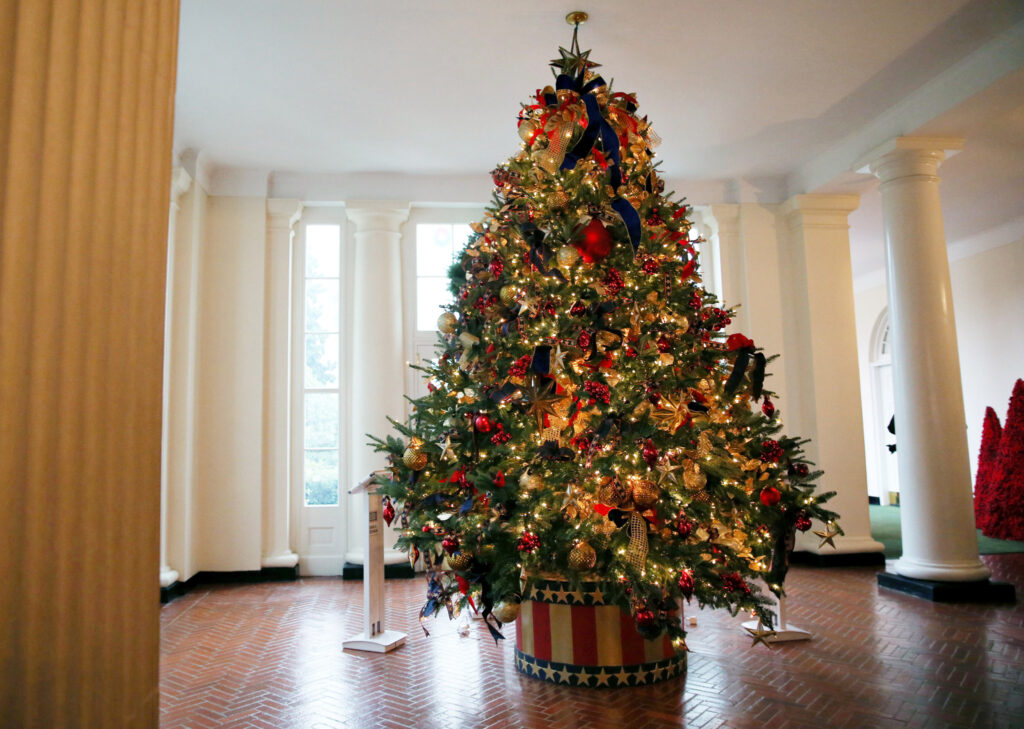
(936, 514)
(282, 217)
(378, 358)
(823, 401)
(87, 93)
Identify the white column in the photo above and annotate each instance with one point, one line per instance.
(936, 515)
(180, 183)
(823, 401)
(282, 217)
(733, 291)
(378, 357)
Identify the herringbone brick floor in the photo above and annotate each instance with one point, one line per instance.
(269, 656)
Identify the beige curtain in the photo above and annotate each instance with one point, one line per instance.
(86, 116)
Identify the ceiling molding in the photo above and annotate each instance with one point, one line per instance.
(963, 79)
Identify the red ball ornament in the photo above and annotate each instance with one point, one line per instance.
(595, 242)
(770, 496)
(450, 544)
(768, 408)
(664, 344)
(803, 522)
(425, 529)
(686, 584)
(482, 423)
(650, 266)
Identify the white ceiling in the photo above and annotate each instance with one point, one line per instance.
(750, 93)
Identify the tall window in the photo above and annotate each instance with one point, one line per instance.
(437, 245)
(321, 376)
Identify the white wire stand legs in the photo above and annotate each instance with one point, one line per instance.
(375, 636)
(783, 631)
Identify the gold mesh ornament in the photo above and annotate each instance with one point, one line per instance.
(636, 554)
(414, 459)
(645, 494)
(582, 557)
(459, 561)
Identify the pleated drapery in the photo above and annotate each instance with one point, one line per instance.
(86, 123)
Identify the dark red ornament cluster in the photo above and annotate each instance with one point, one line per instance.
(771, 451)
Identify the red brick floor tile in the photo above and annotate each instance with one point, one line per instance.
(269, 656)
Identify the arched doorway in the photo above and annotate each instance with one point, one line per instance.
(883, 407)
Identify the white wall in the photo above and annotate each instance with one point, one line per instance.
(988, 301)
(229, 394)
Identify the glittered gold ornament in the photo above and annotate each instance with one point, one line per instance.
(506, 612)
(508, 295)
(530, 481)
(528, 130)
(415, 459)
(582, 557)
(567, 256)
(447, 322)
(645, 494)
(558, 200)
(693, 477)
(459, 561)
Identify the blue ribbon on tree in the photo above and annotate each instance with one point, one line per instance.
(599, 127)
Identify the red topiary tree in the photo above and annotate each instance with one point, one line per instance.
(1006, 505)
(991, 432)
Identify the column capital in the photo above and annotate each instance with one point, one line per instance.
(283, 212)
(181, 181)
(909, 157)
(377, 215)
(819, 210)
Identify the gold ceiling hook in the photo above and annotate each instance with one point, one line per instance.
(576, 18)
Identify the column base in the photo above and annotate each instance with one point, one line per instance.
(285, 559)
(841, 559)
(267, 574)
(352, 571)
(984, 591)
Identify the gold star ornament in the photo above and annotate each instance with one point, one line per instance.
(827, 536)
(760, 634)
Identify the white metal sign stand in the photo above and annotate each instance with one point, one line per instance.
(375, 637)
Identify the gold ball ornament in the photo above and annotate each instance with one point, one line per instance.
(415, 459)
(508, 295)
(506, 612)
(558, 200)
(582, 557)
(459, 561)
(447, 322)
(645, 494)
(567, 256)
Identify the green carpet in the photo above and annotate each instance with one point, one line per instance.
(885, 528)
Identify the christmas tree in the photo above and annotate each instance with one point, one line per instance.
(1005, 514)
(991, 433)
(587, 414)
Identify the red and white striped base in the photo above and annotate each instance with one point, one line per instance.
(573, 637)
